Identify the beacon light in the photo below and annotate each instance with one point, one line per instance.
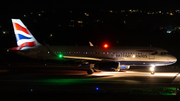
(105, 46)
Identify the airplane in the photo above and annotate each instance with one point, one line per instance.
(125, 57)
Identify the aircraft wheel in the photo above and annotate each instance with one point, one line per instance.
(152, 73)
(90, 71)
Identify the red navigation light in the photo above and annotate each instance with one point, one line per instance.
(105, 45)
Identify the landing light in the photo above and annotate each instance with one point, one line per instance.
(152, 68)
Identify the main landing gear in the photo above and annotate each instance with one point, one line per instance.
(91, 70)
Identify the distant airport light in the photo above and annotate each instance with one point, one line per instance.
(122, 10)
(124, 22)
(97, 88)
(80, 21)
(86, 14)
(4, 32)
(168, 31)
(110, 11)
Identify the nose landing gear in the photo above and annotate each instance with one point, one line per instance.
(152, 69)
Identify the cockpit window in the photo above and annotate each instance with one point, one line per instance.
(164, 53)
(154, 53)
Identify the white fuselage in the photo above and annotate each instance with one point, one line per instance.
(143, 56)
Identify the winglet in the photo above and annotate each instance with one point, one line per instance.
(90, 44)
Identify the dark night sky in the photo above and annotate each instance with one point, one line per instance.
(22, 5)
(14, 9)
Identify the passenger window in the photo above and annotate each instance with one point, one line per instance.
(164, 53)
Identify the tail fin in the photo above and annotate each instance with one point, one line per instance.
(24, 38)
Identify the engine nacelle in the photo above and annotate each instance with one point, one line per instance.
(112, 66)
(124, 66)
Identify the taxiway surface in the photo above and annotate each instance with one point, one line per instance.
(50, 81)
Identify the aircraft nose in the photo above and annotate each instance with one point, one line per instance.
(174, 59)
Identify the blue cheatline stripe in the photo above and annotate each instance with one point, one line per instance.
(23, 37)
(145, 63)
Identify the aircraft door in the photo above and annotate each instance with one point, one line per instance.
(152, 54)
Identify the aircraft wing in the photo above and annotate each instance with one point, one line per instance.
(78, 57)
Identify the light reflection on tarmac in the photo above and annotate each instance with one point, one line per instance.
(135, 73)
(129, 75)
(67, 79)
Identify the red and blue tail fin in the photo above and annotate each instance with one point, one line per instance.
(24, 38)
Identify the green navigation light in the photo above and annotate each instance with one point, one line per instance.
(60, 55)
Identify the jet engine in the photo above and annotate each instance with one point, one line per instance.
(112, 66)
